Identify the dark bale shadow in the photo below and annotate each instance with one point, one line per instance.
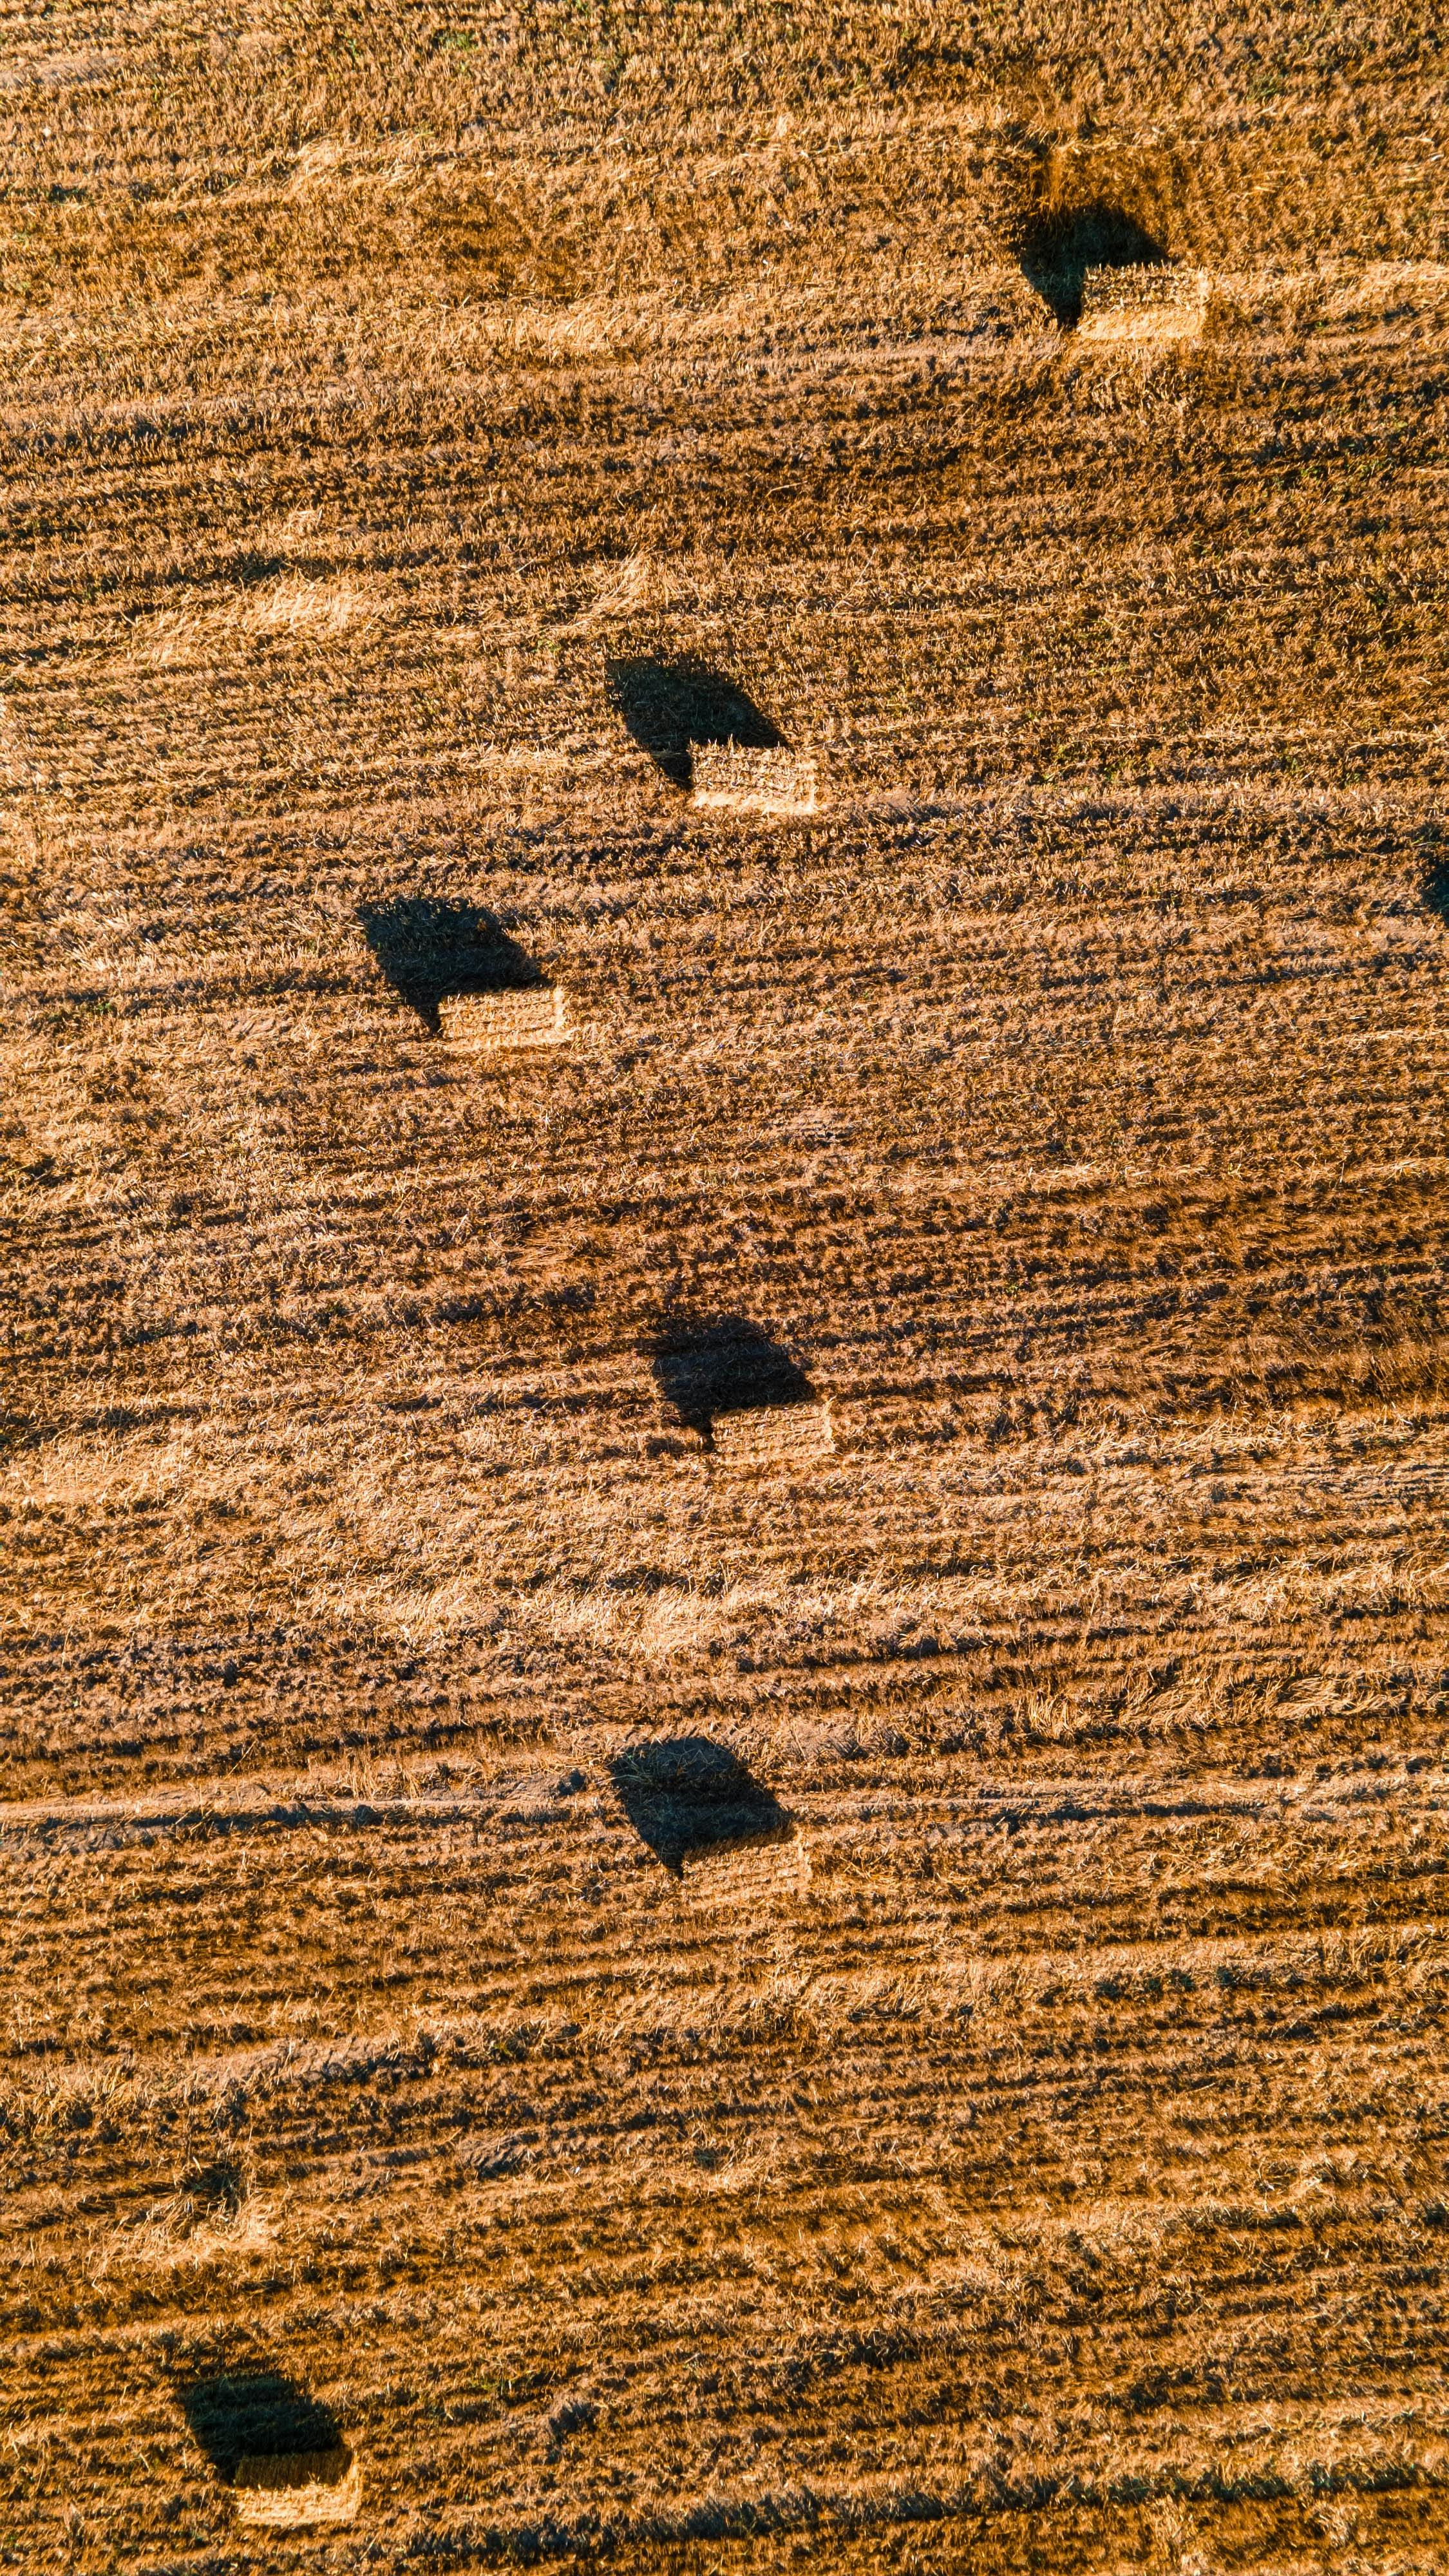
(430, 950)
(1436, 889)
(688, 1796)
(669, 707)
(708, 1365)
(257, 2414)
(1060, 244)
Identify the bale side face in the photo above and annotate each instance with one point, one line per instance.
(297, 2490)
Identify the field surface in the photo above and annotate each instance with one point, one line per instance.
(723, 1565)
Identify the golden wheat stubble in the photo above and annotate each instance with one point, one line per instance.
(1064, 2121)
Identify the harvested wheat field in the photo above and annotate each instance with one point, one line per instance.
(725, 1488)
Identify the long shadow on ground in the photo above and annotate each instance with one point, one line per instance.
(670, 707)
(1060, 245)
(687, 1796)
(431, 949)
(708, 1365)
(256, 2414)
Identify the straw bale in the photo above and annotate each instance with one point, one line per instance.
(746, 1874)
(731, 777)
(1143, 306)
(298, 2490)
(504, 1023)
(770, 1435)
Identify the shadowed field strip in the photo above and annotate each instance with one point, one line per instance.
(545, 1803)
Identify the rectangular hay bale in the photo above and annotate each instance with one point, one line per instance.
(773, 1435)
(732, 778)
(1143, 307)
(505, 1023)
(741, 1876)
(298, 2490)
